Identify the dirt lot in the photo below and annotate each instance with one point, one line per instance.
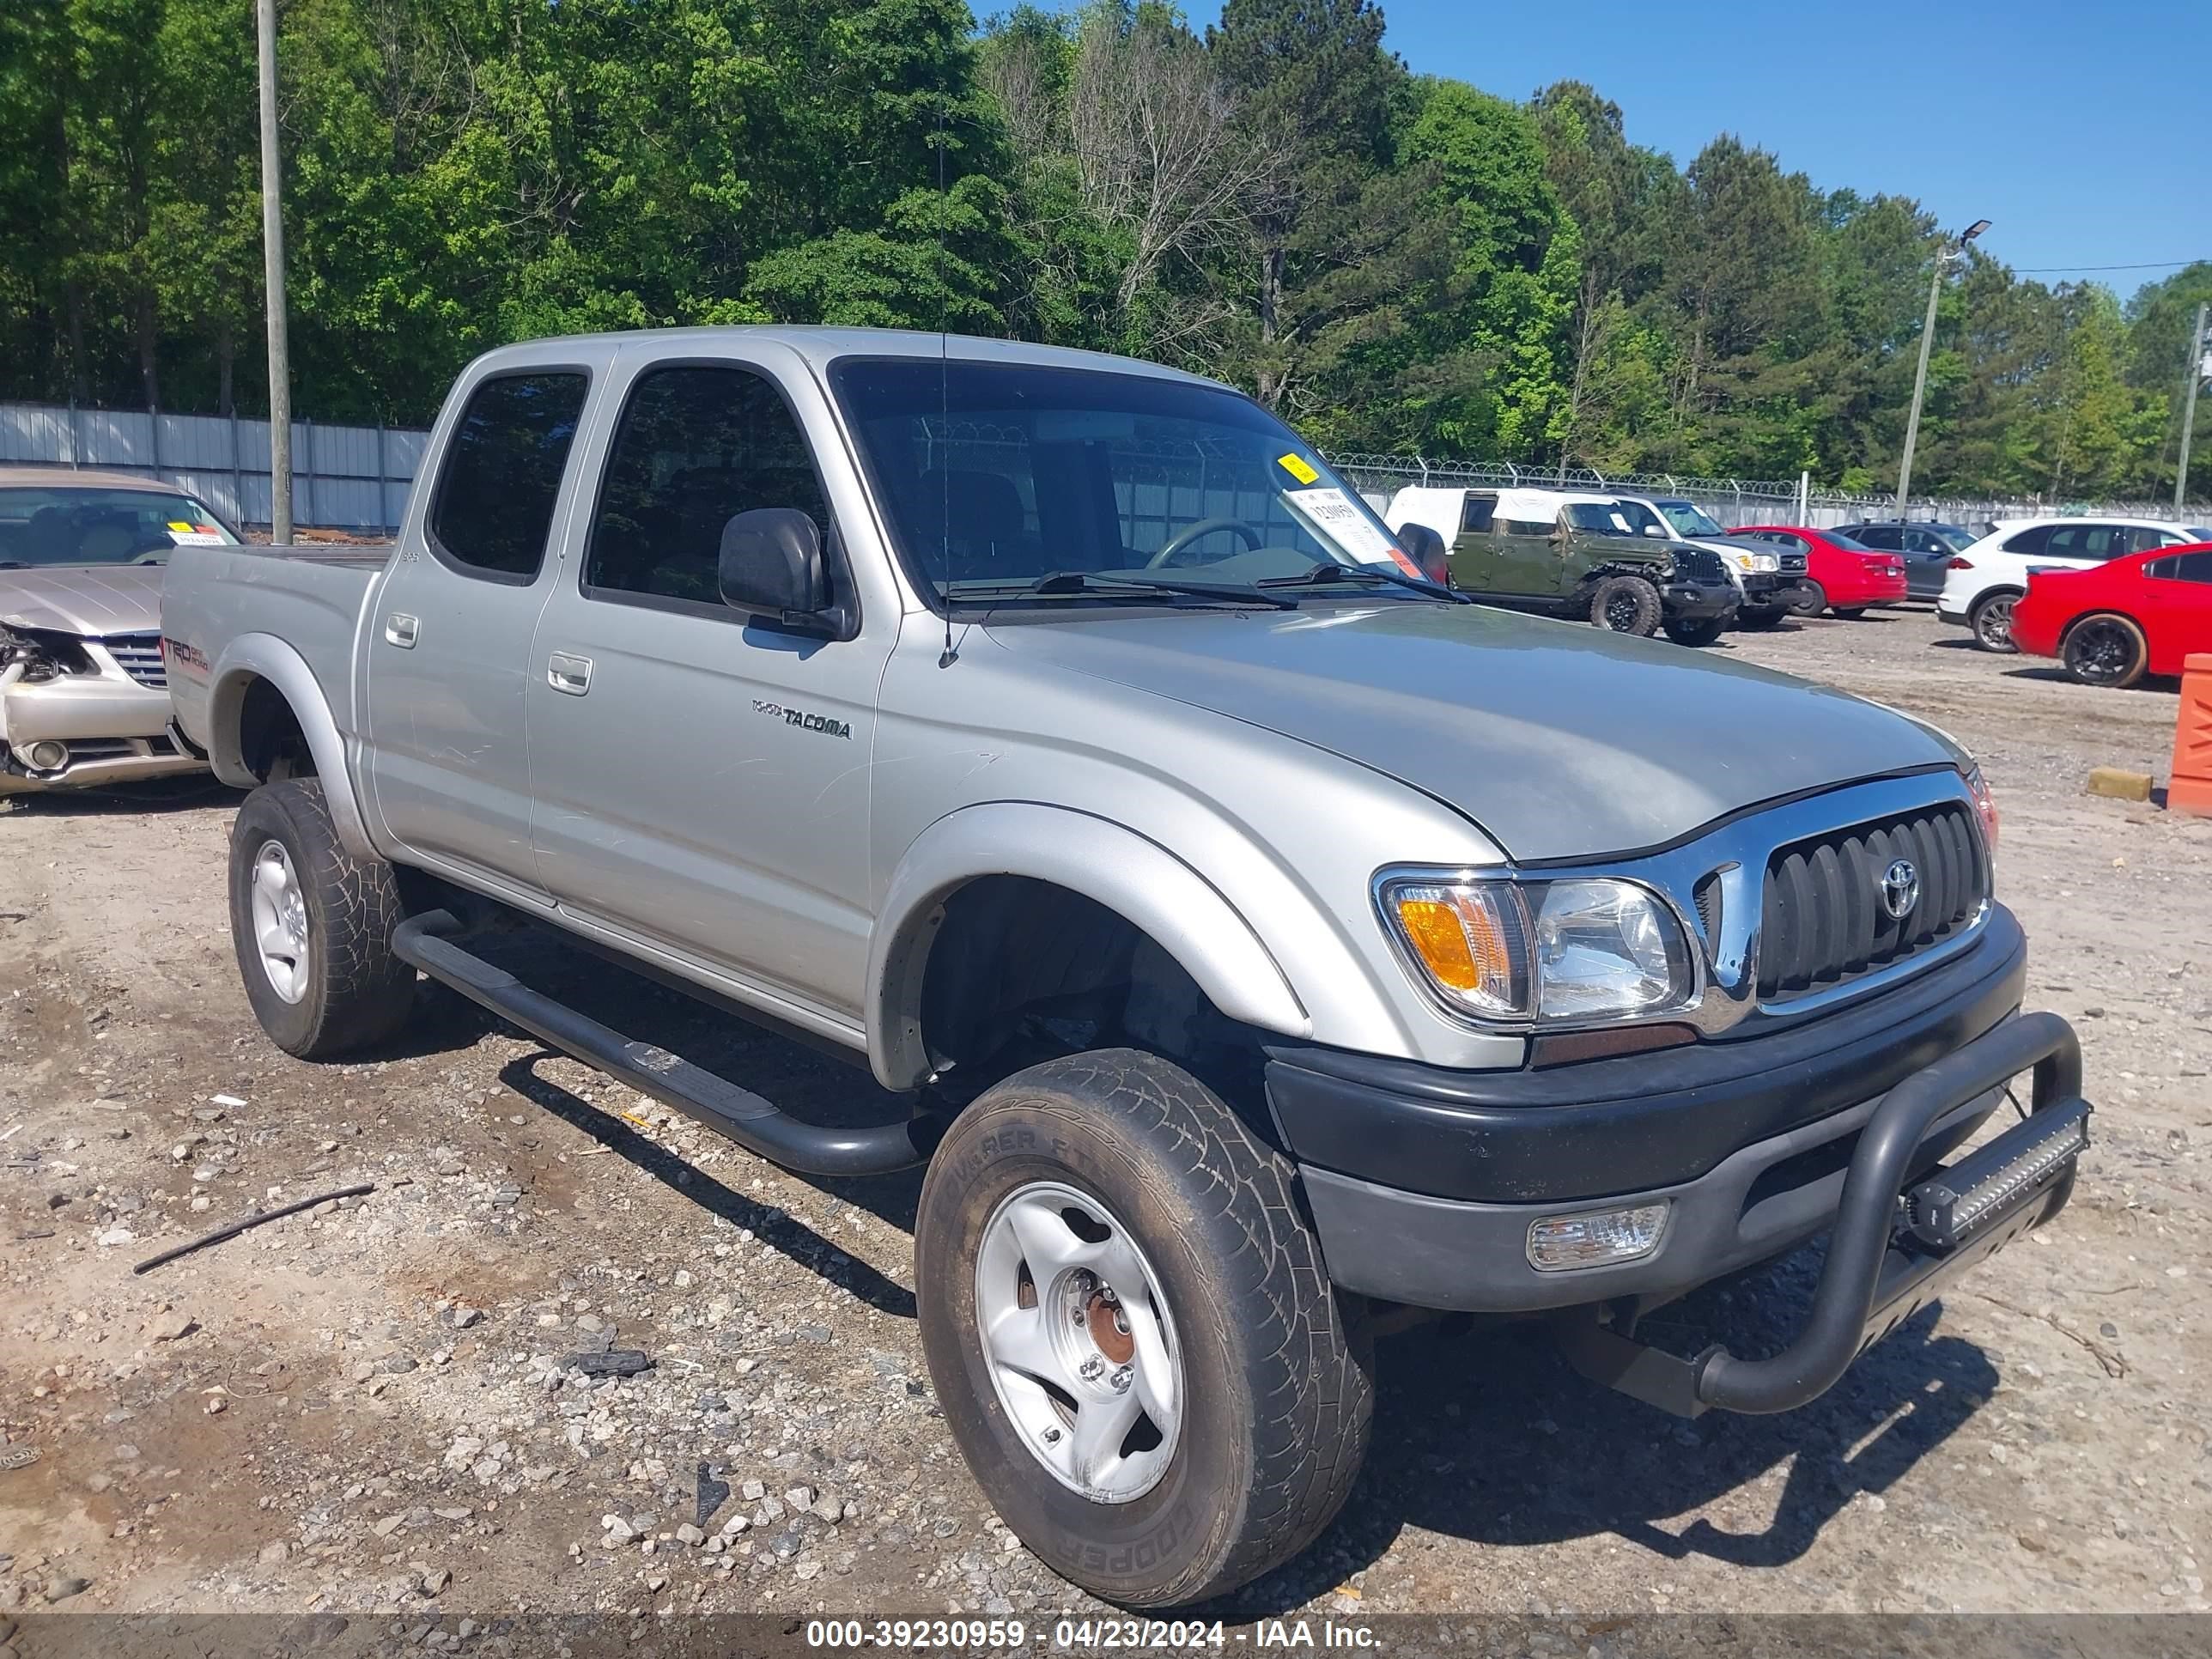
(365, 1407)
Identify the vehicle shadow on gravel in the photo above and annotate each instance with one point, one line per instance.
(156, 795)
(1485, 1434)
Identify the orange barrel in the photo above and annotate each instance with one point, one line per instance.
(2190, 789)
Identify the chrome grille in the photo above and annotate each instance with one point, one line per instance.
(1823, 920)
(1793, 565)
(139, 655)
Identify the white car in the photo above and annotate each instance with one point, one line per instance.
(1988, 576)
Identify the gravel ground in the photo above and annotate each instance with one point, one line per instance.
(377, 1404)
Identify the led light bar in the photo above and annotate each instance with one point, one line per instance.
(1984, 1189)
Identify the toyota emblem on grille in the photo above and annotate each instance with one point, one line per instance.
(1900, 890)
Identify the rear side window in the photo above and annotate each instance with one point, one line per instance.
(2030, 540)
(698, 445)
(2085, 541)
(1880, 535)
(2186, 568)
(494, 509)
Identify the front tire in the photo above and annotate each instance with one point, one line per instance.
(2105, 649)
(1200, 1414)
(1761, 618)
(1850, 612)
(313, 927)
(1991, 619)
(1696, 633)
(1626, 605)
(1811, 600)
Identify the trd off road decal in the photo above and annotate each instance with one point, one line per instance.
(828, 725)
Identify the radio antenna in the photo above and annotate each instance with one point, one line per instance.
(950, 654)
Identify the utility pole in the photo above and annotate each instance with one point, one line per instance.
(272, 256)
(1943, 258)
(2189, 408)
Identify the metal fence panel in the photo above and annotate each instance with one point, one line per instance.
(358, 477)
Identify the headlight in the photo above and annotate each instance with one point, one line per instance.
(1760, 563)
(1542, 953)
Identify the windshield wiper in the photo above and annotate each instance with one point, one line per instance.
(1091, 581)
(1327, 572)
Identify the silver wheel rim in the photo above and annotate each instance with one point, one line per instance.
(280, 922)
(1996, 623)
(1079, 1341)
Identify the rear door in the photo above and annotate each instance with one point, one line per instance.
(702, 777)
(448, 648)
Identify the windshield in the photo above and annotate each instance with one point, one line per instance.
(66, 524)
(1688, 521)
(998, 476)
(1615, 518)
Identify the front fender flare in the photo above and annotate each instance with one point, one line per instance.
(1136, 878)
(264, 656)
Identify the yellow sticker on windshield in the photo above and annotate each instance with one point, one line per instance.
(175, 524)
(1295, 466)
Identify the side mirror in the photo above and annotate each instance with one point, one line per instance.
(1653, 530)
(771, 565)
(1425, 548)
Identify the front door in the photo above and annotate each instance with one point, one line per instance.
(702, 777)
(447, 762)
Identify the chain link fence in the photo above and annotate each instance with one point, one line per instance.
(356, 478)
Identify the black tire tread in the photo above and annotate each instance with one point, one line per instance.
(1311, 1375)
(367, 992)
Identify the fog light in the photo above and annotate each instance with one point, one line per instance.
(1591, 1240)
(48, 756)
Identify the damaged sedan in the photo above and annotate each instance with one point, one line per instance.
(84, 689)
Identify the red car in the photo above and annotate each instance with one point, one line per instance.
(1845, 576)
(2112, 623)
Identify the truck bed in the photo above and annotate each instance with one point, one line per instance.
(309, 598)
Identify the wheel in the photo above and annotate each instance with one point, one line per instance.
(1991, 619)
(313, 927)
(1810, 600)
(2105, 649)
(1696, 633)
(1759, 618)
(1131, 1331)
(1626, 605)
(1851, 612)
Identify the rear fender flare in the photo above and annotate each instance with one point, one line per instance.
(264, 656)
(1137, 879)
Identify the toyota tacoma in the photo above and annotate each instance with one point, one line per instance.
(1264, 938)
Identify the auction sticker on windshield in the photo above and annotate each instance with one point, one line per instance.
(1331, 513)
(189, 535)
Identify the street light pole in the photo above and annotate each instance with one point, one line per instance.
(272, 257)
(1943, 257)
(2189, 409)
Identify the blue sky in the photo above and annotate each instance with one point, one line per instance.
(2083, 132)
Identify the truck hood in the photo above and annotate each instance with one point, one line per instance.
(83, 600)
(1559, 739)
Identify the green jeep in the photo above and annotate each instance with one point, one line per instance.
(1571, 554)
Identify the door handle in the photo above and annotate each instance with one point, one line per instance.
(401, 629)
(567, 673)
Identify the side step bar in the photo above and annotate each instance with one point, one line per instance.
(424, 941)
(1892, 1250)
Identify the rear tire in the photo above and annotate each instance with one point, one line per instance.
(1811, 600)
(313, 925)
(1696, 633)
(1120, 1162)
(1849, 613)
(1626, 605)
(2105, 649)
(1757, 619)
(1990, 618)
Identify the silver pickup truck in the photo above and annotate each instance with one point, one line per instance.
(1268, 940)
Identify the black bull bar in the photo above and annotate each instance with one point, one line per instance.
(1892, 1248)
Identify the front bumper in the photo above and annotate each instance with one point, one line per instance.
(1698, 601)
(110, 730)
(1423, 1183)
